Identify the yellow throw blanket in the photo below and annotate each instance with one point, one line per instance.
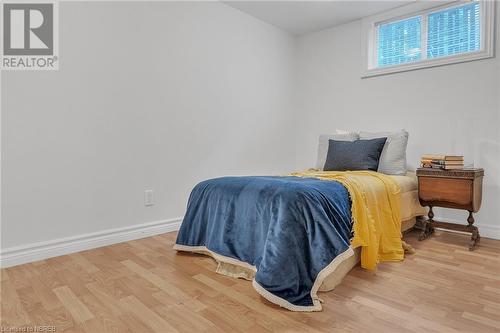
(376, 213)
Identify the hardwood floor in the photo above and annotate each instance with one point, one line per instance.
(145, 286)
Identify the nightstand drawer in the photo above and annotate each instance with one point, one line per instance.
(456, 192)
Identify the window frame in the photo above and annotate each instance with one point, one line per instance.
(370, 29)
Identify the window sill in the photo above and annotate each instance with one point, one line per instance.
(455, 59)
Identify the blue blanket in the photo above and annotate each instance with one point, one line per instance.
(289, 228)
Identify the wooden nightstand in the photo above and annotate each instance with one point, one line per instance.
(460, 189)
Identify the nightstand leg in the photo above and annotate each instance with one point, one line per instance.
(474, 239)
(428, 228)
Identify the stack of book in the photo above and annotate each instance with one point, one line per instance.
(444, 162)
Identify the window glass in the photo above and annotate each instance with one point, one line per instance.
(399, 42)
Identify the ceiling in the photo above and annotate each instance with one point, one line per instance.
(299, 17)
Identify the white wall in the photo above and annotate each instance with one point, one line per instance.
(148, 95)
(448, 109)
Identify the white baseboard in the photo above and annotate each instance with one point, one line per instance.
(489, 231)
(485, 230)
(48, 249)
(43, 250)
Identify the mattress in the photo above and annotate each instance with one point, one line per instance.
(410, 206)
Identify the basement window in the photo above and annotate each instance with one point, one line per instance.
(422, 35)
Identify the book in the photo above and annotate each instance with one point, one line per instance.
(441, 166)
(432, 166)
(453, 167)
(443, 162)
(443, 157)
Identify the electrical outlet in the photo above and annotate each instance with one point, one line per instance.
(148, 198)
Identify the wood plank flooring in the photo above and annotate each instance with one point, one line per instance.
(145, 286)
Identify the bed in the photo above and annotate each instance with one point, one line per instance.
(294, 236)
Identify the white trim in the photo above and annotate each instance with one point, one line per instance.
(485, 230)
(369, 27)
(489, 231)
(322, 275)
(423, 37)
(42, 250)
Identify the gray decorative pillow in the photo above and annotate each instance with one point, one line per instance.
(323, 145)
(393, 157)
(355, 155)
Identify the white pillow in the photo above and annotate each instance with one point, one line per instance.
(393, 157)
(338, 131)
(323, 145)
